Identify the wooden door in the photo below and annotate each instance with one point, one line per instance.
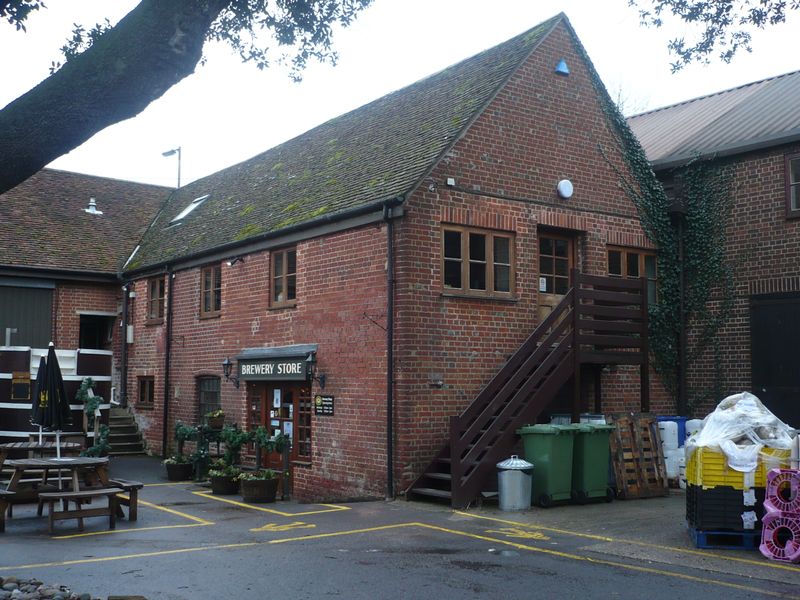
(556, 259)
(283, 407)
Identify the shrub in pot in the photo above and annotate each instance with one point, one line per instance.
(179, 468)
(258, 486)
(216, 418)
(224, 479)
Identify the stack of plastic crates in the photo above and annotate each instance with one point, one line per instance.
(725, 507)
(780, 535)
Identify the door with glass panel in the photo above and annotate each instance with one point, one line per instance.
(556, 259)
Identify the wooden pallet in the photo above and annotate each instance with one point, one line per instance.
(637, 456)
(728, 540)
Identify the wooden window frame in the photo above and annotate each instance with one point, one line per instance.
(642, 253)
(213, 292)
(282, 255)
(489, 262)
(146, 392)
(203, 408)
(791, 213)
(156, 294)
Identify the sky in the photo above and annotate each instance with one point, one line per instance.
(227, 112)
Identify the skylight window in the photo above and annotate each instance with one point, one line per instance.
(185, 212)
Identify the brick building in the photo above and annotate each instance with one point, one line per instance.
(401, 254)
(752, 131)
(62, 239)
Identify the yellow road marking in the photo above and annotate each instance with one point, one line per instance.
(330, 507)
(519, 533)
(284, 527)
(137, 530)
(172, 511)
(690, 551)
(320, 536)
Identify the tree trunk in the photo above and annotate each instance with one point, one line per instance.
(154, 47)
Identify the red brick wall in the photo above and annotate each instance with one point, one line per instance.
(764, 249)
(341, 289)
(540, 128)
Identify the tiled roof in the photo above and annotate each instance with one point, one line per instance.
(374, 153)
(43, 224)
(759, 114)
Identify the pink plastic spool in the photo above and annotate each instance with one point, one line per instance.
(780, 538)
(783, 491)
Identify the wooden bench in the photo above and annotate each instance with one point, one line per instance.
(4, 504)
(132, 501)
(79, 512)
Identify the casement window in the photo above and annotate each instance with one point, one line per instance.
(632, 264)
(284, 277)
(792, 168)
(477, 262)
(155, 299)
(208, 399)
(146, 395)
(210, 291)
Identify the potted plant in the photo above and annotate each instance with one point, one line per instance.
(258, 486)
(224, 479)
(179, 467)
(216, 418)
(234, 438)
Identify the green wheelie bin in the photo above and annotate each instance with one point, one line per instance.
(590, 463)
(549, 447)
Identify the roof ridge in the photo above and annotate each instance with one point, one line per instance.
(712, 94)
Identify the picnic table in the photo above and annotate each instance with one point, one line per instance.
(94, 470)
(41, 447)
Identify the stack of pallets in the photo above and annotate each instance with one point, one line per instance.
(637, 456)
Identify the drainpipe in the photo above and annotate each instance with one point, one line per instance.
(167, 352)
(389, 218)
(123, 361)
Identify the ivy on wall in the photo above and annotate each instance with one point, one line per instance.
(708, 278)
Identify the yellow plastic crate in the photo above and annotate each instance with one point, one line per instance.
(709, 468)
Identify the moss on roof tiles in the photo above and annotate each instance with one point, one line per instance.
(378, 151)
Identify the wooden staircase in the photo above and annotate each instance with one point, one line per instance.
(601, 320)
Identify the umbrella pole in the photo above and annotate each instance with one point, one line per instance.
(58, 455)
(40, 434)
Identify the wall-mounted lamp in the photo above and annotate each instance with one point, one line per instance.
(311, 363)
(227, 368)
(234, 260)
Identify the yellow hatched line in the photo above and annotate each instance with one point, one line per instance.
(330, 507)
(690, 551)
(137, 530)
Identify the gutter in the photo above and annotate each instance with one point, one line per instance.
(167, 356)
(388, 216)
(123, 361)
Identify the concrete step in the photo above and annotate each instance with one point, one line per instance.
(123, 438)
(122, 429)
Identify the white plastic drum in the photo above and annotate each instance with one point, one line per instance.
(669, 434)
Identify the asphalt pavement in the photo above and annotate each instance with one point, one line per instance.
(190, 544)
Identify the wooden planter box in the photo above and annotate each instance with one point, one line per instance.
(180, 471)
(259, 490)
(224, 486)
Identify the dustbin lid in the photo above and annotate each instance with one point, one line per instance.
(516, 463)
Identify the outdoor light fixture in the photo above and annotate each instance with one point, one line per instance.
(311, 363)
(178, 152)
(227, 367)
(234, 260)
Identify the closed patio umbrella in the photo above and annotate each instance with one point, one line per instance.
(50, 408)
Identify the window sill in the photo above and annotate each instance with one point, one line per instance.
(283, 305)
(301, 463)
(214, 315)
(141, 406)
(791, 215)
(510, 299)
(153, 322)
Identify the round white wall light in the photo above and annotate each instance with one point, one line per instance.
(564, 188)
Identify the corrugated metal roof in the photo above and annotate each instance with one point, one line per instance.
(758, 114)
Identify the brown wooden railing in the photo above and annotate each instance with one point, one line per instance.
(600, 321)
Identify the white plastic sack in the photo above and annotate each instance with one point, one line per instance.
(740, 427)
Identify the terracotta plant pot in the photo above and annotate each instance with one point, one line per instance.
(216, 422)
(259, 490)
(223, 485)
(179, 471)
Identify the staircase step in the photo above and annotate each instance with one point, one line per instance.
(127, 447)
(432, 492)
(440, 476)
(124, 438)
(127, 452)
(121, 430)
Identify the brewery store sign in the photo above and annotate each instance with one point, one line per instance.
(286, 369)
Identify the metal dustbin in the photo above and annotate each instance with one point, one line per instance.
(514, 483)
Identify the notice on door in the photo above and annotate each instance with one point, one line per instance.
(323, 405)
